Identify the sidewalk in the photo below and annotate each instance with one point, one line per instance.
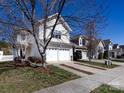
(114, 62)
(82, 85)
(113, 77)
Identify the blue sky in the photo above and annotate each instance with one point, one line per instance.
(115, 28)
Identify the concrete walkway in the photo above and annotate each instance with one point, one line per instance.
(113, 77)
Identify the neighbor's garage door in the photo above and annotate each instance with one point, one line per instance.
(54, 54)
(63, 55)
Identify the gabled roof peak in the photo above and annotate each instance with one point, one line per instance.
(61, 19)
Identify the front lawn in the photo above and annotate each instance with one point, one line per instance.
(106, 89)
(28, 80)
(99, 64)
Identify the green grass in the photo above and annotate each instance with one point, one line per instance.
(28, 80)
(118, 60)
(106, 89)
(99, 64)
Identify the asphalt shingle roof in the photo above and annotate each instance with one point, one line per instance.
(107, 42)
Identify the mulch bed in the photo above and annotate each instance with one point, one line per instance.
(47, 70)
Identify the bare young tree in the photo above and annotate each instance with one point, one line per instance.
(91, 35)
(94, 24)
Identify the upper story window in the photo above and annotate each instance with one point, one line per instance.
(104, 47)
(80, 41)
(84, 42)
(57, 35)
(23, 37)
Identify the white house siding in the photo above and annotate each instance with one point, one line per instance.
(84, 55)
(34, 50)
(110, 47)
(65, 35)
(101, 47)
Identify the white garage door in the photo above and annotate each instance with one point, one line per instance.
(54, 54)
(84, 55)
(51, 54)
(64, 55)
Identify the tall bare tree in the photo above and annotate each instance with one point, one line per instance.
(24, 15)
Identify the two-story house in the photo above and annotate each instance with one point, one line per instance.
(116, 50)
(82, 42)
(79, 46)
(59, 49)
(99, 49)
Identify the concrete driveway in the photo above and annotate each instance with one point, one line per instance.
(113, 77)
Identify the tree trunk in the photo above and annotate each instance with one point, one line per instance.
(44, 60)
(90, 54)
(89, 59)
(42, 54)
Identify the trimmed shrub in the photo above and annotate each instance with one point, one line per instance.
(122, 55)
(100, 56)
(77, 55)
(21, 63)
(105, 55)
(7, 52)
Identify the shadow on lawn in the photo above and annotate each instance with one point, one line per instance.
(6, 69)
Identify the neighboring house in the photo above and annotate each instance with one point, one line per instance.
(59, 49)
(82, 42)
(5, 52)
(122, 49)
(116, 51)
(108, 44)
(79, 46)
(99, 49)
(116, 46)
(5, 47)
